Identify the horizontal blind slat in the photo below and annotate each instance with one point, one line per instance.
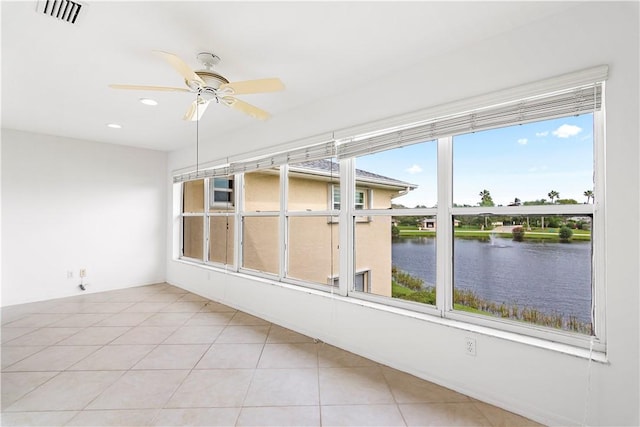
(572, 102)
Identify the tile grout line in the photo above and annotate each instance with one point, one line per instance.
(253, 373)
(153, 420)
(123, 372)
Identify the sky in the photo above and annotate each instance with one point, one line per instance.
(522, 161)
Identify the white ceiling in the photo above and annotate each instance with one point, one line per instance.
(55, 74)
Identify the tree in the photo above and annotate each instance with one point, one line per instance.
(567, 202)
(485, 198)
(516, 202)
(553, 194)
(589, 195)
(535, 202)
(565, 234)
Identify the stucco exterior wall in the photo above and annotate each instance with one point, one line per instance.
(312, 241)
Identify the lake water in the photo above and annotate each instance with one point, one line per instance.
(550, 277)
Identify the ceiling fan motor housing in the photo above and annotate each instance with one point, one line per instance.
(212, 81)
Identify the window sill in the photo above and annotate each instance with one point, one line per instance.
(570, 350)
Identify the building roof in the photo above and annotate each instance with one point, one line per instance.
(327, 168)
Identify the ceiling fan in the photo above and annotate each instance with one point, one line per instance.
(210, 86)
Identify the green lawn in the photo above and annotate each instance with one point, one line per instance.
(534, 234)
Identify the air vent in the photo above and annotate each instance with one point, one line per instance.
(64, 10)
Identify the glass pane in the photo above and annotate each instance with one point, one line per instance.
(398, 263)
(360, 282)
(221, 196)
(403, 177)
(222, 183)
(221, 239)
(310, 185)
(193, 196)
(262, 190)
(359, 202)
(534, 269)
(192, 235)
(313, 249)
(531, 164)
(260, 247)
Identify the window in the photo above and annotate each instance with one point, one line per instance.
(312, 250)
(261, 221)
(491, 217)
(312, 231)
(193, 219)
(361, 197)
(398, 254)
(360, 281)
(221, 190)
(525, 268)
(528, 256)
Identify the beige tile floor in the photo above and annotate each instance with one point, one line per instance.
(160, 356)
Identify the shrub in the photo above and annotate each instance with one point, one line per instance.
(565, 234)
(518, 234)
(553, 222)
(427, 296)
(395, 231)
(407, 280)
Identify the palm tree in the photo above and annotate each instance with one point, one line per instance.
(589, 195)
(485, 198)
(552, 195)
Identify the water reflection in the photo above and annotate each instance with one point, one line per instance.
(549, 277)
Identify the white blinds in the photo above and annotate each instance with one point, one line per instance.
(571, 94)
(571, 102)
(204, 173)
(323, 150)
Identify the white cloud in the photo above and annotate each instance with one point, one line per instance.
(541, 134)
(566, 131)
(414, 169)
(523, 141)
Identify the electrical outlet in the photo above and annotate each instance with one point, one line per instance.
(69, 274)
(470, 346)
(83, 272)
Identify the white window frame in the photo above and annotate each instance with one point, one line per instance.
(444, 212)
(367, 197)
(213, 189)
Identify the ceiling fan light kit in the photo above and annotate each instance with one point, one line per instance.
(208, 85)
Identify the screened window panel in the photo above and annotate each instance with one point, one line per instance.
(192, 236)
(260, 244)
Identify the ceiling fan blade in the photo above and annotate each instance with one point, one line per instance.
(246, 108)
(180, 66)
(196, 110)
(252, 86)
(154, 88)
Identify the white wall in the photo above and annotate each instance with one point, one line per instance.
(70, 204)
(546, 385)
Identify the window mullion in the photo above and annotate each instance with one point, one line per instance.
(283, 232)
(444, 235)
(347, 241)
(238, 182)
(205, 228)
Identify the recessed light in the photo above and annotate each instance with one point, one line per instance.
(148, 101)
(114, 126)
